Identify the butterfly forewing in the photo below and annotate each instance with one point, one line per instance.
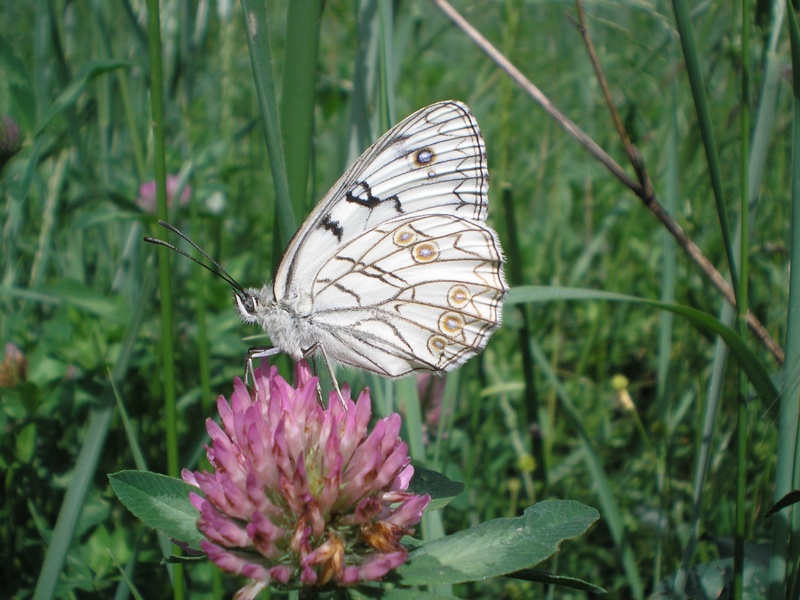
(432, 162)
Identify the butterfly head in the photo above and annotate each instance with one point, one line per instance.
(253, 303)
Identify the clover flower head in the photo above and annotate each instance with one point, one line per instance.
(303, 495)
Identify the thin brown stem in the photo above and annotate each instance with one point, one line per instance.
(634, 156)
(642, 188)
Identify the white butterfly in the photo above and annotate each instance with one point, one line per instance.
(395, 270)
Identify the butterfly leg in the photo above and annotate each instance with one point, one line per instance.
(320, 396)
(257, 352)
(309, 352)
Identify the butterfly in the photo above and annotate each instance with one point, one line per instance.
(395, 270)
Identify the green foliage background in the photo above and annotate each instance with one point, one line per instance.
(79, 293)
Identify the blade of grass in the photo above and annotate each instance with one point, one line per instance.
(16, 87)
(447, 418)
(200, 279)
(15, 217)
(383, 59)
(386, 95)
(364, 75)
(257, 27)
(164, 276)
(669, 277)
(42, 59)
(781, 561)
(63, 76)
(126, 585)
(704, 453)
(515, 258)
(741, 307)
(297, 95)
(683, 23)
(68, 515)
(49, 214)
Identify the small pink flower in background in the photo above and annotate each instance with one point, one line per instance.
(147, 194)
(302, 494)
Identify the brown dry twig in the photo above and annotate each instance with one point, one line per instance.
(642, 188)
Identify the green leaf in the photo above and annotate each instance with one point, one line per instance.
(160, 502)
(498, 547)
(441, 489)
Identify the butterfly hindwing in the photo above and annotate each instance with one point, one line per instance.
(416, 292)
(432, 162)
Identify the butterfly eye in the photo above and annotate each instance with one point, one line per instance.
(245, 303)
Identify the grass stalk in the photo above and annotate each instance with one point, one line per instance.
(691, 56)
(668, 283)
(258, 40)
(164, 275)
(531, 410)
(741, 310)
(364, 75)
(297, 95)
(785, 524)
(200, 279)
(49, 217)
(387, 114)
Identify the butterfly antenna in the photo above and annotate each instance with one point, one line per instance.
(217, 270)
